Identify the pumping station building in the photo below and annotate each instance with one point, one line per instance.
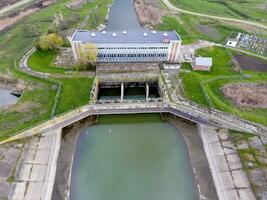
(129, 46)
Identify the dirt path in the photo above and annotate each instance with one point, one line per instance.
(14, 6)
(172, 7)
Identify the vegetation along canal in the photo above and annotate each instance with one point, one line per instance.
(131, 156)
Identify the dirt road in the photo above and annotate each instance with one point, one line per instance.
(172, 7)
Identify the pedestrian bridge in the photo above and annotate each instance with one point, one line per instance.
(194, 114)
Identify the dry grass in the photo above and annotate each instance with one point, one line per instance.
(147, 13)
(247, 94)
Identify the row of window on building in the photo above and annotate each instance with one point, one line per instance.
(143, 55)
(132, 47)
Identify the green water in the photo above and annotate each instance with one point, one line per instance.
(131, 157)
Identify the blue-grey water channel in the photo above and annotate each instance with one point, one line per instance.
(123, 17)
(131, 157)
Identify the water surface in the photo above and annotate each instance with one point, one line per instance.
(6, 98)
(130, 157)
(123, 17)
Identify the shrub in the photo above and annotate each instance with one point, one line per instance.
(49, 42)
(88, 57)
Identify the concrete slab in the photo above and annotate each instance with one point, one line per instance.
(263, 193)
(34, 191)
(4, 189)
(220, 163)
(264, 172)
(231, 195)
(46, 142)
(33, 144)
(226, 180)
(38, 172)
(42, 156)
(256, 143)
(257, 177)
(234, 161)
(25, 172)
(29, 155)
(19, 191)
(2, 153)
(246, 194)
(264, 140)
(213, 137)
(240, 179)
(224, 135)
(216, 148)
(262, 159)
(228, 144)
(5, 171)
(242, 145)
(12, 155)
(229, 151)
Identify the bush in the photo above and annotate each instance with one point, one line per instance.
(88, 57)
(49, 42)
(80, 65)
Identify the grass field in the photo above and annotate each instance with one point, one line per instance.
(192, 28)
(75, 92)
(249, 10)
(36, 103)
(34, 106)
(42, 61)
(199, 85)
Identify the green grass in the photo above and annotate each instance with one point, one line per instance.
(42, 61)
(75, 92)
(248, 10)
(192, 79)
(35, 105)
(192, 28)
(222, 66)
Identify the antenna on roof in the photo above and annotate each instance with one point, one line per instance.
(114, 34)
(104, 32)
(154, 32)
(165, 34)
(93, 34)
(145, 34)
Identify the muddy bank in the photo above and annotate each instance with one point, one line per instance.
(251, 63)
(64, 164)
(247, 94)
(202, 173)
(7, 21)
(7, 83)
(148, 14)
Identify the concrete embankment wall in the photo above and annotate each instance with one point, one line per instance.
(51, 167)
(37, 172)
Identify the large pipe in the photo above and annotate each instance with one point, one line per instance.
(147, 91)
(122, 91)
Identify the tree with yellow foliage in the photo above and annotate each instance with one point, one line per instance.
(50, 42)
(88, 56)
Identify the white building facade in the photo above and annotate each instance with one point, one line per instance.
(132, 46)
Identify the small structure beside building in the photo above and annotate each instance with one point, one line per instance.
(233, 39)
(129, 46)
(202, 64)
